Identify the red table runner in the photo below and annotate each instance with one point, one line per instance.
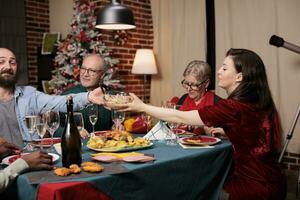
(70, 190)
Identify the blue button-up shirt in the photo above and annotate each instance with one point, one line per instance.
(29, 101)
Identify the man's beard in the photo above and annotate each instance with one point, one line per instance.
(8, 82)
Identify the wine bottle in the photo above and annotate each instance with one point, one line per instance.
(70, 139)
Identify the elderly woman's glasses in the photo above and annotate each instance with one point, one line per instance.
(193, 86)
(91, 72)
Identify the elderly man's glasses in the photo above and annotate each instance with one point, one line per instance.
(91, 72)
(193, 86)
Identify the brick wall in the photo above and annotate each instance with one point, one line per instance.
(37, 22)
(291, 161)
(37, 18)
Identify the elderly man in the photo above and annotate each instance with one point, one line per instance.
(91, 73)
(16, 102)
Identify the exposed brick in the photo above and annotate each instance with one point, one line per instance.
(294, 155)
(289, 160)
(294, 167)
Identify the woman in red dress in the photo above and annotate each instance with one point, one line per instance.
(251, 122)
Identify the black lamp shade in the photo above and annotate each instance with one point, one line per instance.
(115, 17)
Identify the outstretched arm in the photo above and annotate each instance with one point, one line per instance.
(172, 115)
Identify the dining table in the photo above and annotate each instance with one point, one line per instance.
(176, 173)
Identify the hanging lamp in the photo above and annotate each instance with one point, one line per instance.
(115, 17)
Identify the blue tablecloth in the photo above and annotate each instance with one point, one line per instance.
(177, 173)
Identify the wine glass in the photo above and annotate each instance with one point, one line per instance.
(52, 123)
(93, 115)
(167, 104)
(31, 126)
(41, 129)
(117, 117)
(78, 119)
(149, 120)
(171, 136)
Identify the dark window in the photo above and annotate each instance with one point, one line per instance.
(13, 35)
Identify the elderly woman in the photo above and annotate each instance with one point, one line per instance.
(196, 80)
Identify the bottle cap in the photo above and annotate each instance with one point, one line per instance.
(69, 99)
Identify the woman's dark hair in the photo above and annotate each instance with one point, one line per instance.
(254, 87)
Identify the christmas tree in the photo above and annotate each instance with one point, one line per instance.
(82, 39)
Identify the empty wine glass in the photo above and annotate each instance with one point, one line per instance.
(93, 115)
(78, 119)
(171, 137)
(117, 117)
(167, 104)
(52, 123)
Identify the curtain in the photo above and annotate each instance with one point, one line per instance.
(250, 24)
(12, 33)
(179, 37)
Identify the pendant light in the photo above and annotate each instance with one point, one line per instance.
(115, 17)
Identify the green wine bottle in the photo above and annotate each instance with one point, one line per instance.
(70, 139)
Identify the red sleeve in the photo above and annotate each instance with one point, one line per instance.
(225, 112)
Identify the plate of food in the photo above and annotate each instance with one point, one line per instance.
(45, 142)
(10, 159)
(199, 140)
(116, 141)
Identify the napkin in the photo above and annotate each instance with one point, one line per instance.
(57, 148)
(160, 132)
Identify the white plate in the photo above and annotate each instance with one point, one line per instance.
(200, 140)
(6, 160)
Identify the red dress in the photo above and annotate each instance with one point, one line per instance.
(256, 174)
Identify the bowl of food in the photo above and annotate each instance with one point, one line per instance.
(115, 99)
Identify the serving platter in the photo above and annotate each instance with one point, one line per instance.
(121, 149)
